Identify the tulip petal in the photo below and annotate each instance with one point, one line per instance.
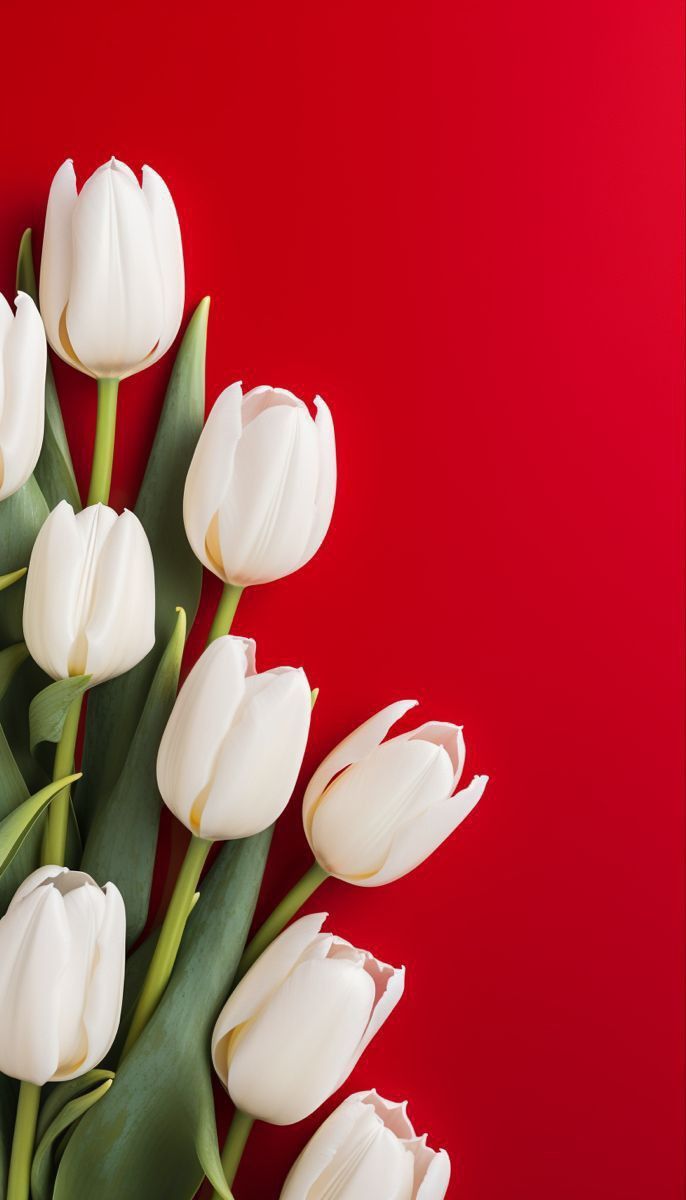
(260, 758)
(259, 399)
(419, 838)
(303, 1044)
(322, 1149)
(434, 1185)
(389, 985)
(450, 737)
(326, 481)
(115, 312)
(167, 240)
(83, 909)
(102, 1010)
(352, 749)
(23, 411)
(209, 474)
(120, 626)
(200, 720)
(271, 968)
(56, 258)
(52, 587)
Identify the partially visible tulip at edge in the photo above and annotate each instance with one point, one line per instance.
(368, 1150)
(89, 607)
(261, 486)
(374, 809)
(112, 275)
(23, 361)
(299, 1020)
(233, 746)
(62, 954)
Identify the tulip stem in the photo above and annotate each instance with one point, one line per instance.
(280, 917)
(236, 1138)
(169, 940)
(226, 611)
(19, 1178)
(55, 839)
(103, 451)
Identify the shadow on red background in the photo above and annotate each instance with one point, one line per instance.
(462, 223)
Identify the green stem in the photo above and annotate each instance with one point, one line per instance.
(226, 611)
(19, 1179)
(239, 1132)
(103, 451)
(280, 917)
(169, 940)
(55, 840)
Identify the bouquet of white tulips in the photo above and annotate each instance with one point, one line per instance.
(108, 1032)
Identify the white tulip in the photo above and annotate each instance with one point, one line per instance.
(299, 1020)
(234, 743)
(89, 607)
(368, 1149)
(375, 810)
(23, 359)
(111, 278)
(62, 953)
(261, 486)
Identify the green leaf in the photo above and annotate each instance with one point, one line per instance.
(154, 1135)
(41, 1170)
(116, 706)
(21, 516)
(54, 469)
(122, 842)
(48, 710)
(10, 661)
(9, 1089)
(15, 827)
(58, 1094)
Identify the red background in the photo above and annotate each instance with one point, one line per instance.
(462, 223)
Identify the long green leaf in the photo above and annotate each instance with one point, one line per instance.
(21, 516)
(15, 827)
(10, 660)
(54, 469)
(41, 1169)
(154, 1134)
(115, 707)
(55, 1096)
(48, 710)
(122, 841)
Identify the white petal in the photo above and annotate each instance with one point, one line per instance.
(352, 749)
(322, 1148)
(261, 981)
(260, 758)
(326, 482)
(200, 720)
(167, 240)
(23, 409)
(450, 737)
(389, 984)
(266, 514)
(35, 880)
(115, 310)
(56, 258)
(418, 839)
(52, 586)
(434, 1185)
(120, 625)
(353, 826)
(83, 909)
(210, 473)
(102, 1009)
(287, 1060)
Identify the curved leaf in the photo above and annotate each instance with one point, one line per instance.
(54, 469)
(59, 1094)
(15, 827)
(21, 516)
(41, 1169)
(48, 710)
(116, 706)
(122, 842)
(154, 1135)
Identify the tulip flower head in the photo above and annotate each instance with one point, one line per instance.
(234, 743)
(368, 1150)
(89, 607)
(62, 951)
(299, 1020)
(111, 278)
(261, 486)
(23, 360)
(375, 809)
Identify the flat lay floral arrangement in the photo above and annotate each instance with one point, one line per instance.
(109, 1034)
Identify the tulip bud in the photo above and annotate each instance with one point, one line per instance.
(299, 1020)
(23, 358)
(234, 743)
(111, 279)
(62, 951)
(261, 486)
(368, 1148)
(89, 607)
(375, 810)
